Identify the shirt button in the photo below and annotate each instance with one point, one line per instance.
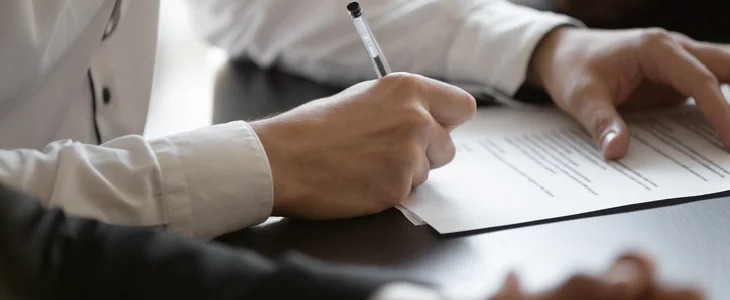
(106, 95)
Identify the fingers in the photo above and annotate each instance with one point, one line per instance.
(439, 152)
(593, 107)
(651, 96)
(430, 109)
(441, 149)
(665, 61)
(578, 287)
(450, 106)
(630, 277)
(715, 57)
(420, 174)
(676, 294)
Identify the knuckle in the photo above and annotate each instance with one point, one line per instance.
(421, 178)
(417, 117)
(655, 36)
(471, 103)
(402, 79)
(680, 37)
(449, 153)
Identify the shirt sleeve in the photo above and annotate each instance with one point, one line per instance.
(486, 42)
(202, 183)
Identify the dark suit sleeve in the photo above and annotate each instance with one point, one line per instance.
(45, 254)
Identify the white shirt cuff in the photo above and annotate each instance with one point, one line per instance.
(215, 180)
(502, 36)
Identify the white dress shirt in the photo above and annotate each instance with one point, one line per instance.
(79, 71)
(76, 72)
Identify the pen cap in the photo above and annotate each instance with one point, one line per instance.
(354, 9)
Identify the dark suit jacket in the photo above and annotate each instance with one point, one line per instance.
(45, 254)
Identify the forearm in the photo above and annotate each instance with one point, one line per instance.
(202, 183)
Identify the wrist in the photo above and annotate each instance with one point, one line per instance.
(542, 64)
(286, 191)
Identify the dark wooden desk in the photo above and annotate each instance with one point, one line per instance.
(690, 238)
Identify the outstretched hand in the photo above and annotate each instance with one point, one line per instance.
(631, 277)
(590, 73)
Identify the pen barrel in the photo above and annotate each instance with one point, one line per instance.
(380, 64)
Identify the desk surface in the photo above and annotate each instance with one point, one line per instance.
(690, 238)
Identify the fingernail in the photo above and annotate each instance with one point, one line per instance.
(608, 137)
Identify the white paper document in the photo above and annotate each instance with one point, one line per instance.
(411, 217)
(515, 166)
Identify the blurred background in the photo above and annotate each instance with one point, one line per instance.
(185, 68)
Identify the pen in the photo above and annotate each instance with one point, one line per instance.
(382, 67)
(357, 15)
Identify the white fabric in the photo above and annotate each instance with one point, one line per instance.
(213, 180)
(217, 179)
(475, 41)
(203, 183)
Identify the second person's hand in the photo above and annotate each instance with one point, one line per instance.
(631, 277)
(361, 151)
(589, 73)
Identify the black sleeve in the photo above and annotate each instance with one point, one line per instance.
(45, 254)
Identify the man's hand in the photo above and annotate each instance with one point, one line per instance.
(589, 73)
(361, 151)
(630, 278)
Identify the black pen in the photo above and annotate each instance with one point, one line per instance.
(382, 67)
(357, 15)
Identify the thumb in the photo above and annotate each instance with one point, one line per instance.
(595, 110)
